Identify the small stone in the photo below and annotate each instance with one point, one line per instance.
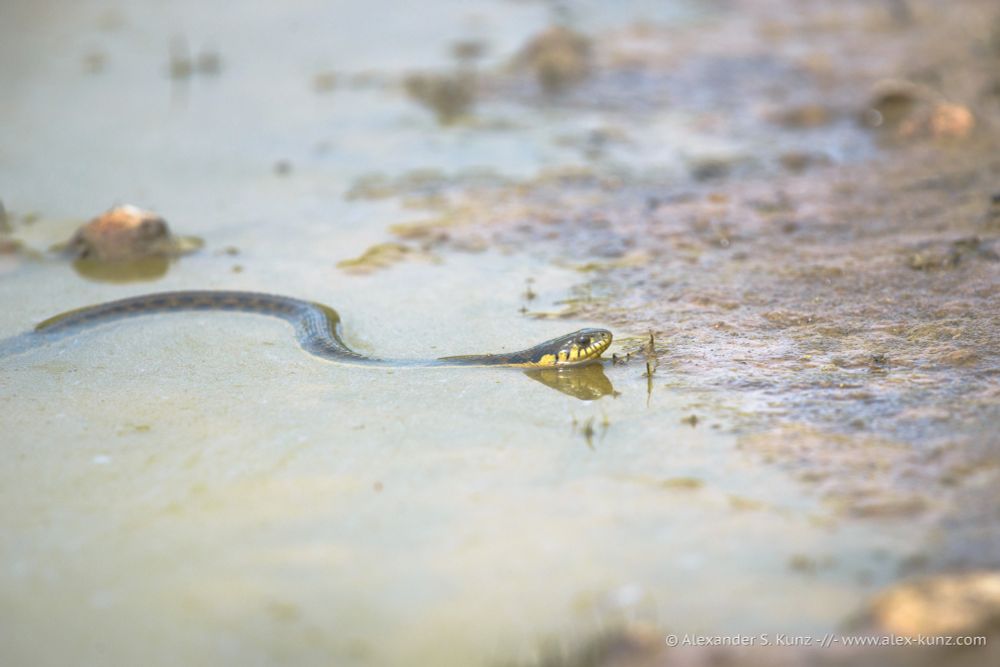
(468, 51)
(94, 62)
(126, 233)
(797, 161)
(892, 102)
(802, 563)
(942, 605)
(324, 82)
(951, 121)
(208, 62)
(123, 232)
(560, 58)
(450, 96)
(803, 117)
(180, 67)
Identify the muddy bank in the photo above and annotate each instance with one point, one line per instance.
(834, 283)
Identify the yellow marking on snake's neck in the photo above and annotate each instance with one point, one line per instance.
(316, 327)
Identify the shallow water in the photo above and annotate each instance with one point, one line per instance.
(242, 503)
(197, 489)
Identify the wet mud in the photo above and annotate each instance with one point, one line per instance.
(834, 289)
(788, 213)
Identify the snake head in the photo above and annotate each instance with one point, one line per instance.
(579, 347)
(575, 349)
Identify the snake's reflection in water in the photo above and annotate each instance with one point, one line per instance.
(587, 383)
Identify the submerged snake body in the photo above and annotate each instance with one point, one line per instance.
(317, 328)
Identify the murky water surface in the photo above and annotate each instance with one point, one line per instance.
(196, 489)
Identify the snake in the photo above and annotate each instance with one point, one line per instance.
(318, 329)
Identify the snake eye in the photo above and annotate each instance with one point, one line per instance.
(584, 341)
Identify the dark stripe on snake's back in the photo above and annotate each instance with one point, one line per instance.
(316, 325)
(317, 328)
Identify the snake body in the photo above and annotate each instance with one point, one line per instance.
(317, 328)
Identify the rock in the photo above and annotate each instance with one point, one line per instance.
(803, 117)
(468, 51)
(797, 161)
(941, 121)
(324, 82)
(126, 233)
(449, 96)
(560, 58)
(951, 121)
(942, 605)
(892, 102)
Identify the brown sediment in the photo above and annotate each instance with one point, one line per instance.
(966, 604)
(559, 58)
(381, 256)
(450, 96)
(844, 311)
(877, 365)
